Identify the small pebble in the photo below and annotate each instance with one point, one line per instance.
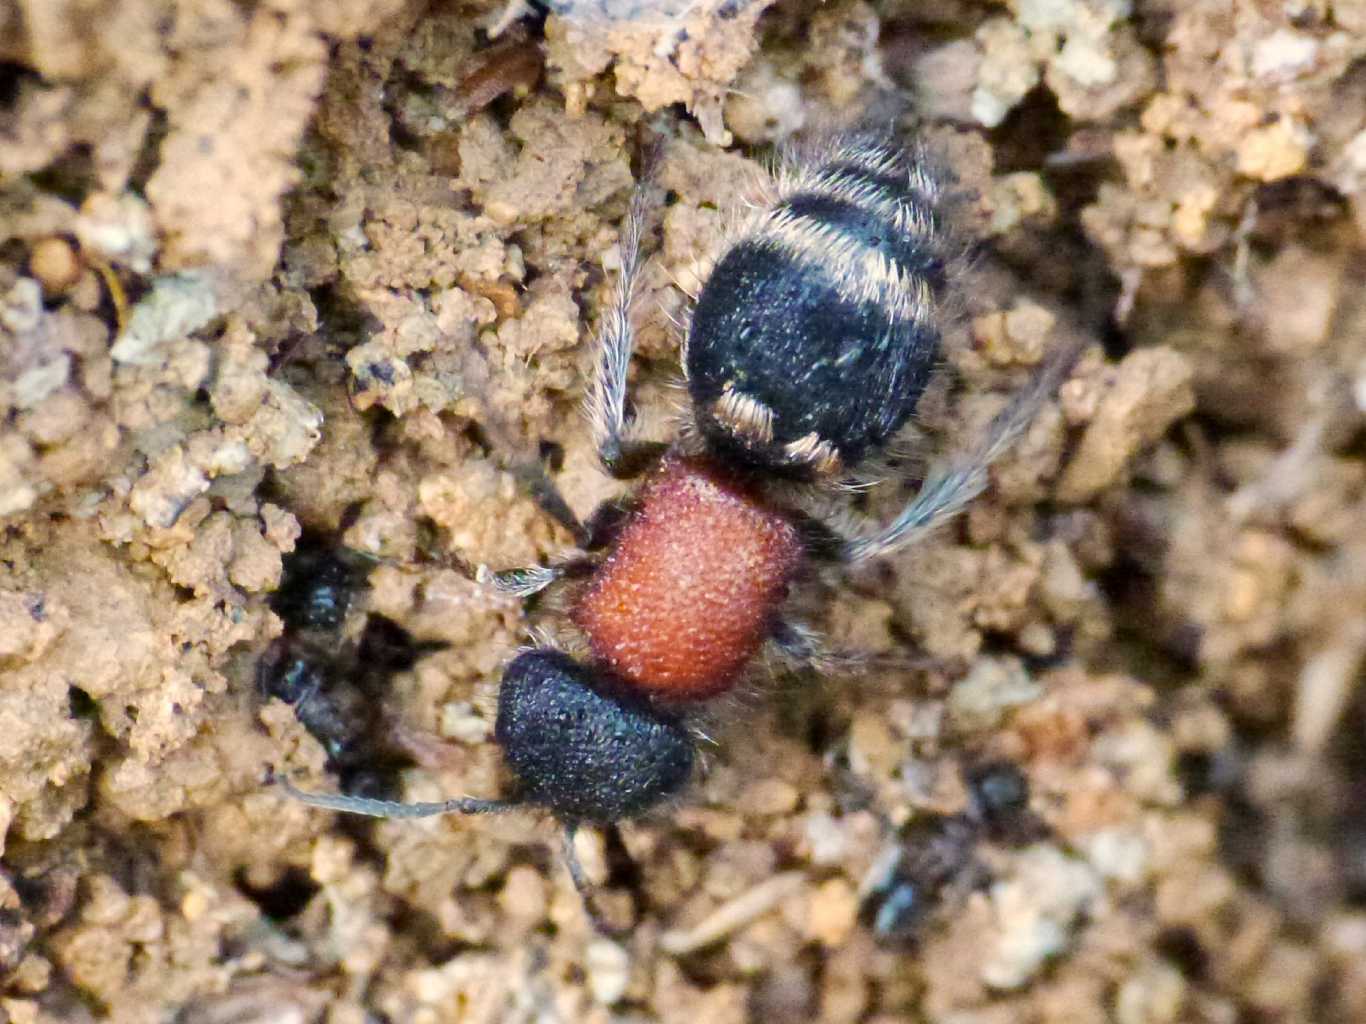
(609, 971)
(56, 264)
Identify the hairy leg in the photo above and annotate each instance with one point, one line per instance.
(393, 808)
(803, 647)
(622, 456)
(952, 484)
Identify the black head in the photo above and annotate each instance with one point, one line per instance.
(1000, 800)
(999, 789)
(318, 584)
(582, 748)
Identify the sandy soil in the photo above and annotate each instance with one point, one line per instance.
(326, 271)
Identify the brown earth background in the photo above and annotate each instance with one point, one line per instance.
(332, 265)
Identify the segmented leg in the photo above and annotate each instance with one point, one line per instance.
(522, 582)
(621, 456)
(582, 885)
(951, 485)
(803, 647)
(459, 805)
(533, 477)
(394, 808)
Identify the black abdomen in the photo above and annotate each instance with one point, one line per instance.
(816, 333)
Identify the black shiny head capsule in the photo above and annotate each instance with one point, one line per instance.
(319, 584)
(999, 792)
(583, 750)
(1000, 804)
(816, 333)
